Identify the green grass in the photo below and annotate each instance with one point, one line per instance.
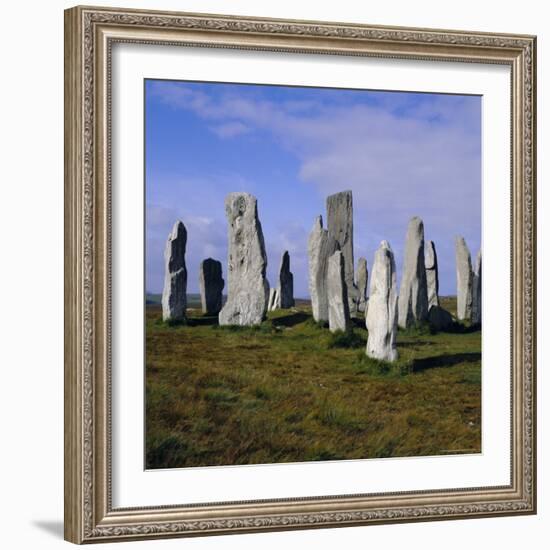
(290, 391)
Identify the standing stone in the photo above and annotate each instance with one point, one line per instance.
(464, 280)
(272, 301)
(432, 277)
(211, 285)
(381, 318)
(340, 228)
(338, 305)
(174, 293)
(285, 287)
(413, 294)
(476, 292)
(320, 247)
(247, 288)
(362, 282)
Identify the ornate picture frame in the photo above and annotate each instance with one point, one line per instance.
(90, 34)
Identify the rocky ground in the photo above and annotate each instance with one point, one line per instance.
(289, 391)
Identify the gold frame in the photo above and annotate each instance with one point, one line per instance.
(89, 34)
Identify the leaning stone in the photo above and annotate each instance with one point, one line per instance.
(174, 294)
(476, 292)
(439, 318)
(464, 280)
(338, 306)
(247, 289)
(320, 247)
(340, 228)
(362, 282)
(211, 286)
(285, 287)
(413, 294)
(432, 276)
(381, 318)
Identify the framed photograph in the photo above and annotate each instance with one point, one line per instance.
(300, 274)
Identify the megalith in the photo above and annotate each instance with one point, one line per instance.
(362, 282)
(338, 306)
(340, 228)
(464, 280)
(413, 293)
(381, 318)
(211, 286)
(174, 293)
(272, 301)
(320, 247)
(247, 286)
(285, 286)
(432, 276)
(476, 292)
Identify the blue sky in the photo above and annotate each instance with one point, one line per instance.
(401, 153)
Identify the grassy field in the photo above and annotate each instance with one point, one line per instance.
(289, 391)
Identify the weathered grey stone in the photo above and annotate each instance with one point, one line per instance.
(381, 318)
(247, 286)
(174, 293)
(338, 306)
(340, 228)
(362, 282)
(413, 294)
(432, 276)
(464, 280)
(476, 292)
(272, 301)
(285, 286)
(320, 247)
(439, 318)
(211, 285)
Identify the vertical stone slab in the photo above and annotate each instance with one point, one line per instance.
(381, 318)
(285, 287)
(413, 294)
(174, 293)
(320, 247)
(247, 288)
(340, 228)
(464, 280)
(211, 285)
(432, 276)
(476, 292)
(338, 306)
(272, 301)
(362, 282)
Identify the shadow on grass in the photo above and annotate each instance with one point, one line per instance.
(440, 361)
(459, 328)
(291, 320)
(204, 321)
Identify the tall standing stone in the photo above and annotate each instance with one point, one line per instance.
(211, 286)
(338, 305)
(340, 228)
(476, 292)
(320, 247)
(413, 294)
(464, 280)
(247, 288)
(381, 318)
(174, 293)
(285, 287)
(362, 282)
(432, 276)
